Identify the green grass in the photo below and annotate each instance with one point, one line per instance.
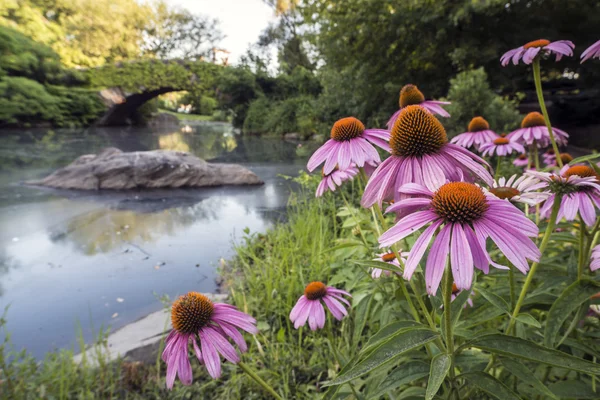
(265, 280)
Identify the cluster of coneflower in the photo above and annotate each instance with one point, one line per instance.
(441, 192)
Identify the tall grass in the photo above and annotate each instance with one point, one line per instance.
(265, 279)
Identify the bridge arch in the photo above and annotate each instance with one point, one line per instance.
(124, 87)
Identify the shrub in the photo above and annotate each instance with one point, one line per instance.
(296, 114)
(471, 96)
(24, 101)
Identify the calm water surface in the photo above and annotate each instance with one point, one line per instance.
(70, 259)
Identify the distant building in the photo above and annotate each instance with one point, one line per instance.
(220, 56)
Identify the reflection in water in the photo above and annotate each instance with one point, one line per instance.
(173, 141)
(104, 230)
(66, 256)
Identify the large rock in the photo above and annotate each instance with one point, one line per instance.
(113, 169)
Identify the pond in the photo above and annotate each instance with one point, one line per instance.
(71, 260)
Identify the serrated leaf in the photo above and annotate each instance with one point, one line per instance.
(490, 385)
(573, 390)
(569, 300)
(528, 319)
(404, 374)
(526, 350)
(386, 352)
(524, 374)
(440, 365)
(495, 300)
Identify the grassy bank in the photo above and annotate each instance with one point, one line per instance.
(265, 280)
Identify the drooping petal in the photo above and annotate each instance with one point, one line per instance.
(461, 258)
(418, 249)
(210, 356)
(436, 262)
(406, 226)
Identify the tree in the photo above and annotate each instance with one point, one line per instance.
(177, 33)
(85, 33)
(380, 45)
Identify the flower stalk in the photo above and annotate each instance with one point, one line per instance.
(537, 78)
(259, 380)
(534, 266)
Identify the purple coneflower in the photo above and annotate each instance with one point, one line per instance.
(591, 52)
(410, 95)
(519, 190)
(309, 307)
(530, 50)
(421, 154)
(501, 146)
(335, 179)
(349, 144)
(521, 161)
(196, 318)
(550, 158)
(533, 130)
(465, 217)
(580, 191)
(595, 264)
(389, 258)
(478, 133)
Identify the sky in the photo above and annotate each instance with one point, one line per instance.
(241, 20)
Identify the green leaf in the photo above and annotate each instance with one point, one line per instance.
(412, 393)
(585, 158)
(523, 373)
(490, 385)
(361, 318)
(526, 350)
(440, 365)
(496, 300)
(571, 299)
(386, 352)
(377, 264)
(404, 374)
(342, 246)
(529, 320)
(574, 390)
(390, 329)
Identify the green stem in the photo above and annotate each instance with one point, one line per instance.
(259, 380)
(513, 294)
(447, 292)
(536, 157)
(534, 266)
(537, 78)
(581, 260)
(498, 162)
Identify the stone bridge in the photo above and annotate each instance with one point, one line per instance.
(125, 87)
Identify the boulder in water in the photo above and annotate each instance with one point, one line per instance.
(113, 169)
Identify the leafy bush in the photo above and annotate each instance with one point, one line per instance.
(296, 114)
(25, 102)
(257, 116)
(471, 96)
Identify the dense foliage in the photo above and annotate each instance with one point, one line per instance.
(35, 88)
(370, 48)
